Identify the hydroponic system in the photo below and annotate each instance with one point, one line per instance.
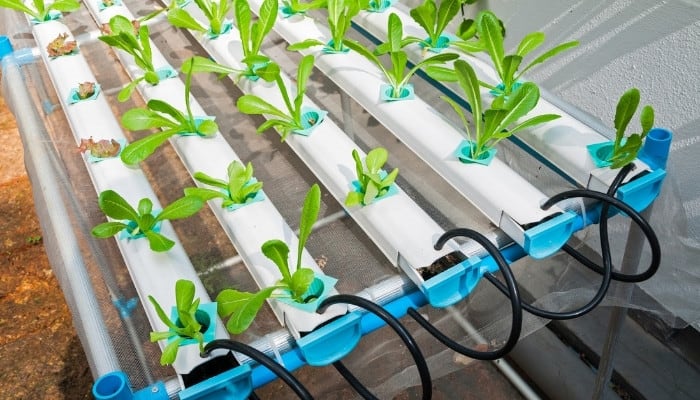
(263, 187)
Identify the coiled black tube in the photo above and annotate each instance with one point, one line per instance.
(261, 358)
(400, 330)
(511, 287)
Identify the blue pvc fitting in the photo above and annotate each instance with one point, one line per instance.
(656, 148)
(5, 46)
(115, 386)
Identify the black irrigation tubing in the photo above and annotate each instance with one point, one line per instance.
(400, 330)
(511, 289)
(264, 360)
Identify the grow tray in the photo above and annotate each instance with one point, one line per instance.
(106, 281)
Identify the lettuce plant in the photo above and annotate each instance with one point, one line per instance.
(495, 123)
(60, 46)
(242, 307)
(160, 114)
(340, 14)
(625, 148)
(508, 66)
(292, 119)
(142, 221)
(237, 190)
(185, 327)
(434, 19)
(372, 181)
(293, 7)
(252, 34)
(42, 9)
(214, 11)
(397, 74)
(123, 36)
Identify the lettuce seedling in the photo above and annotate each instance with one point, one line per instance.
(284, 122)
(242, 307)
(625, 148)
(160, 114)
(214, 11)
(340, 14)
(142, 220)
(434, 19)
(293, 7)
(493, 126)
(397, 74)
(490, 34)
(185, 327)
(60, 46)
(237, 190)
(252, 34)
(136, 43)
(42, 9)
(373, 183)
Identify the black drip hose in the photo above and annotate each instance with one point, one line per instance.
(263, 359)
(400, 330)
(511, 289)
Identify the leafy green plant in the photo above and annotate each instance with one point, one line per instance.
(185, 327)
(373, 183)
(508, 66)
(237, 190)
(42, 9)
(293, 7)
(242, 307)
(292, 119)
(160, 114)
(340, 14)
(252, 34)
(625, 148)
(124, 37)
(397, 75)
(142, 221)
(214, 11)
(434, 19)
(493, 126)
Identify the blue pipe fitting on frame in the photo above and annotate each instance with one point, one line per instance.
(115, 386)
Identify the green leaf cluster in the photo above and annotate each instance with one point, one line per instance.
(494, 123)
(434, 19)
(214, 11)
(508, 67)
(252, 33)
(237, 190)
(397, 74)
(625, 148)
(142, 219)
(41, 9)
(137, 44)
(242, 307)
(340, 14)
(160, 114)
(299, 7)
(284, 122)
(369, 176)
(188, 327)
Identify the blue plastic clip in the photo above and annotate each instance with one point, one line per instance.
(234, 384)
(115, 386)
(125, 307)
(641, 192)
(331, 342)
(548, 237)
(453, 285)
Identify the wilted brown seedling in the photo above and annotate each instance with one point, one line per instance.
(86, 89)
(60, 46)
(102, 148)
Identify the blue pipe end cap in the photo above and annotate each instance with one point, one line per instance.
(5, 46)
(454, 284)
(333, 341)
(656, 148)
(115, 386)
(234, 384)
(547, 238)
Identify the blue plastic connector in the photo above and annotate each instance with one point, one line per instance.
(656, 148)
(115, 386)
(547, 238)
(5, 46)
(234, 384)
(641, 192)
(331, 342)
(454, 284)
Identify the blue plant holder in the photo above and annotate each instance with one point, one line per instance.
(310, 119)
(166, 72)
(52, 16)
(93, 159)
(198, 121)
(355, 186)
(251, 75)
(126, 233)
(500, 89)
(379, 6)
(210, 334)
(328, 48)
(225, 28)
(287, 12)
(463, 153)
(102, 6)
(74, 98)
(600, 153)
(443, 43)
(407, 92)
(320, 288)
(257, 197)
